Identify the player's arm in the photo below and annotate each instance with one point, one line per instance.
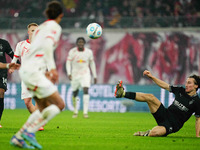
(93, 69)
(4, 66)
(159, 82)
(68, 65)
(48, 46)
(197, 126)
(10, 52)
(15, 57)
(9, 66)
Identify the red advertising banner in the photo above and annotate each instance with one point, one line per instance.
(171, 56)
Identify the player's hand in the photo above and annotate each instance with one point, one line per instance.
(11, 71)
(14, 66)
(147, 73)
(70, 77)
(52, 75)
(95, 80)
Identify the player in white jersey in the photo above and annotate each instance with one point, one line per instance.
(77, 65)
(41, 54)
(22, 49)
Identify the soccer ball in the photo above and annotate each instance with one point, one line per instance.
(94, 30)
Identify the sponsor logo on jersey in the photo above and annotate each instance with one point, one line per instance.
(180, 106)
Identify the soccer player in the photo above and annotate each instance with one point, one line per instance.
(171, 119)
(77, 66)
(4, 49)
(22, 49)
(41, 54)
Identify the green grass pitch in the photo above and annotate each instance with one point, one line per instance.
(102, 131)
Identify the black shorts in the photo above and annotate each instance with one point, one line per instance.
(3, 83)
(165, 118)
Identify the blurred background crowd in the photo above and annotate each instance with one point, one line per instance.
(114, 13)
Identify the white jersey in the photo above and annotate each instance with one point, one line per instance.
(41, 54)
(22, 49)
(44, 41)
(79, 63)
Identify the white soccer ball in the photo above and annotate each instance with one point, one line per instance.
(94, 30)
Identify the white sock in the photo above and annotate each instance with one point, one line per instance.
(47, 114)
(74, 99)
(86, 98)
(35, 115)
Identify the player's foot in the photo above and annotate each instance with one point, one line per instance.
(20, 143)
(30, 137)
(41, 129)
(142, 133)
(85, 116)
(119, 91)
(1, 126)
(75, 115)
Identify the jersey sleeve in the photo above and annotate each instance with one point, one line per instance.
(68, 62)
(91, 56)
(175, 89)
(54, 35)
(93, 65)
(9, 50)
(197, 109)
(70, 57)
(51, 42)
(17, 53)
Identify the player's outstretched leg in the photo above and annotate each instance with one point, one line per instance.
(30, 137)
(20, 143)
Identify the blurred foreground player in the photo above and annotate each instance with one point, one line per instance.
(171, 119)
(4, 49)
(44, 42)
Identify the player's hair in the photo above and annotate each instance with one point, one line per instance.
(196, 80)
(32, 24)
(80, 38)
(53, 10)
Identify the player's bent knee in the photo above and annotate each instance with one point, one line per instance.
(157, 131)
(61, 105)
(150, 97)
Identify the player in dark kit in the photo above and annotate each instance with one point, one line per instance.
(4, 49)
(171, 119)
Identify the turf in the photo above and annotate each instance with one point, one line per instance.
(102, 131)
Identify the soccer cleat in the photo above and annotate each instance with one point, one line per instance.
(41, 129)
(85, 116)
(1, 126)
(142, 133)
(119, 91)
(75, 116)
(30, 137)
(20, 143)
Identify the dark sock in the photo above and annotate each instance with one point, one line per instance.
(1, 106)
(130, 95)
